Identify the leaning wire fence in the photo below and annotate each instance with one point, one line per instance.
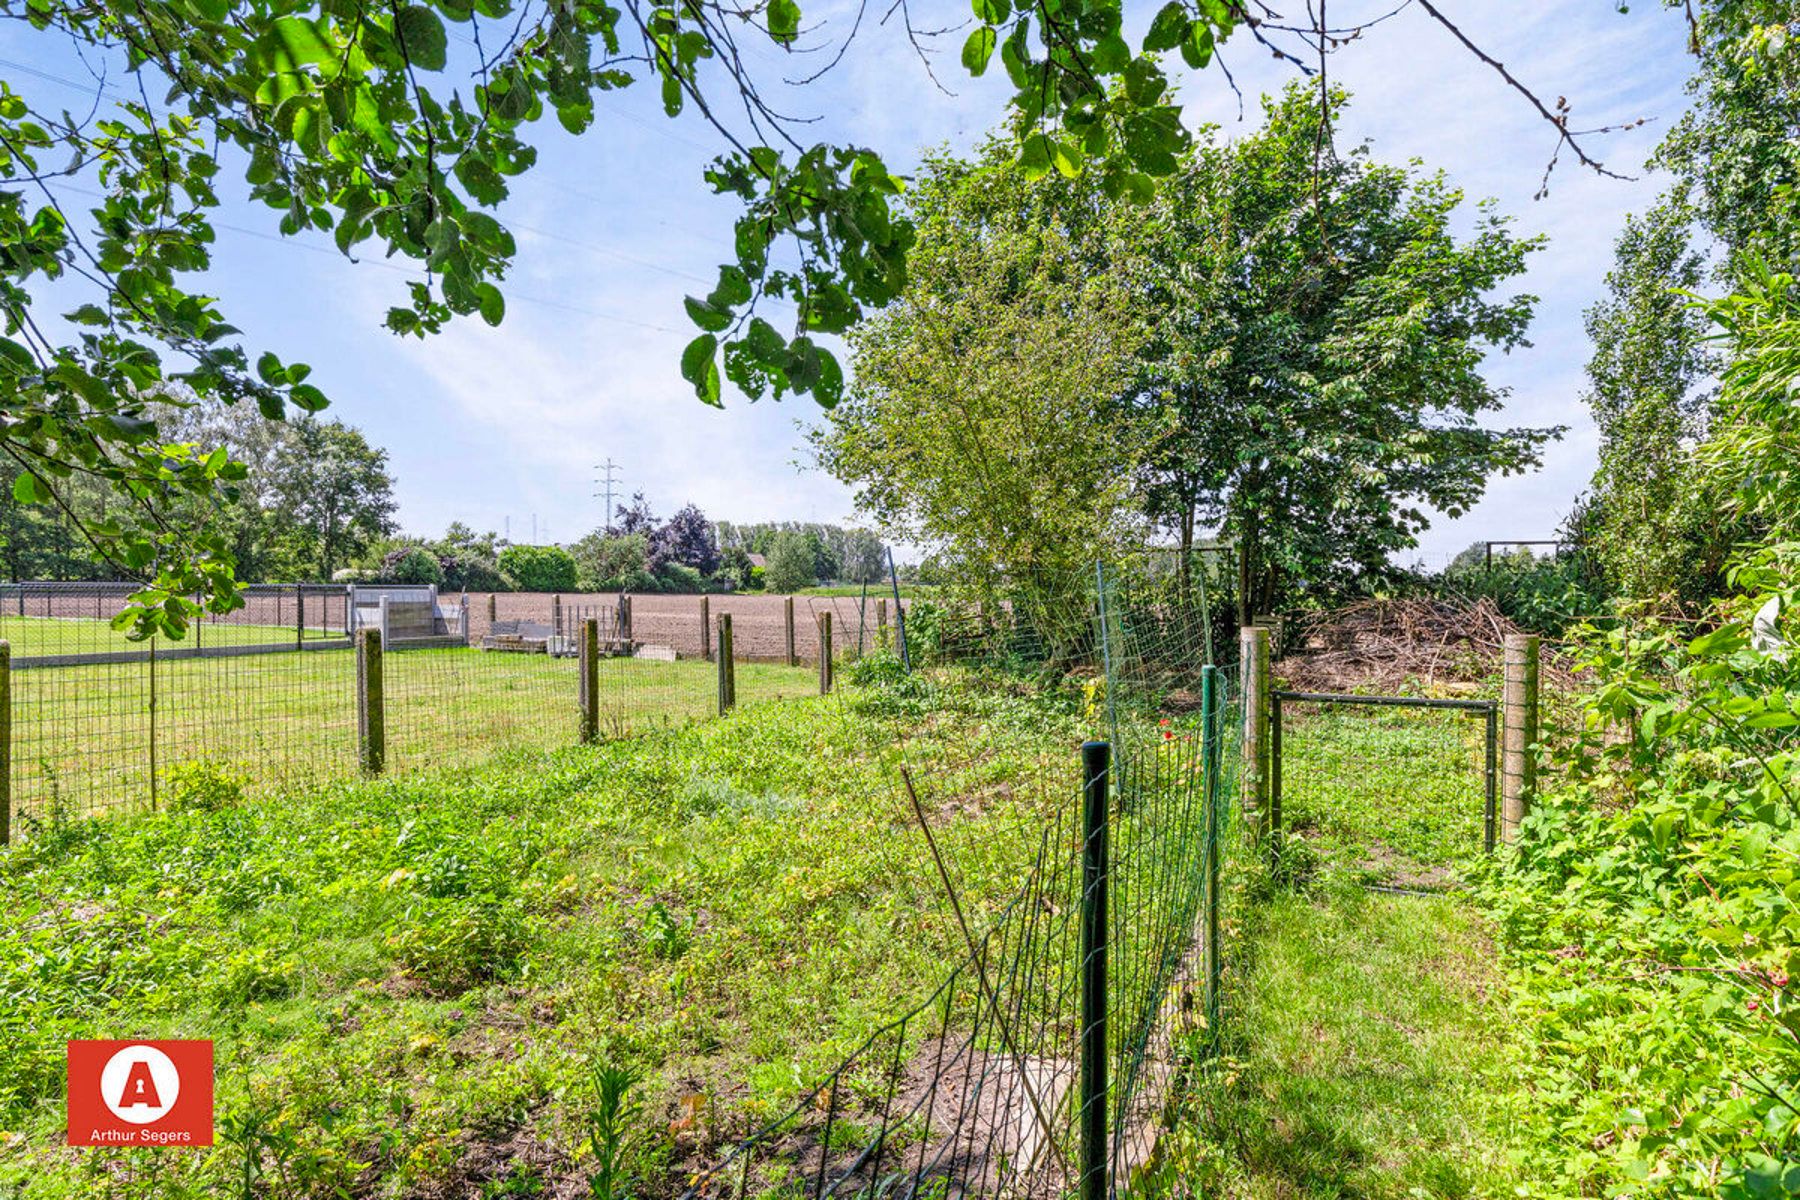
(977, 1087)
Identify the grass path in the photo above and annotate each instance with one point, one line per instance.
(1366, 1056)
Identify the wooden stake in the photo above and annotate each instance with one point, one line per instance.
(371, 723)
(793, 656)
(1518, 732)
(1253, 653)
(590, 681)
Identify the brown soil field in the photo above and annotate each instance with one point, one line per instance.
(758, 622)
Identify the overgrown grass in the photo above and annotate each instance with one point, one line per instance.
(1364, 1050)
(411, 983)
(1391, 796)
(1365, 1056)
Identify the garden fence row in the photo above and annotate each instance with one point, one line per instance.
(1044, 1060)
(278, 693)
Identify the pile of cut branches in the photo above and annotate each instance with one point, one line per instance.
(1390, 645)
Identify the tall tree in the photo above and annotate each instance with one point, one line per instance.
(1658, 529)
(984, 417)
(1315, 365)
(686, 538)
(339, 491)
(1295, 356)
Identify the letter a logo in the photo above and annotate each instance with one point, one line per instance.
(140, 1087)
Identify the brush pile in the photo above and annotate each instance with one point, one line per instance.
(1395, 645)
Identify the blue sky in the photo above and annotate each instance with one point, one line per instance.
(494, 426)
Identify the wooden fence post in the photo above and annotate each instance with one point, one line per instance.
(556, 614)
(727, 670)
(300, 616)
(1253, 653)
(705, 627)
(824, 653)
(371, 716)
(493, 608)
(1519, 732)
(6, 743)
(793, 655)
(590, 680)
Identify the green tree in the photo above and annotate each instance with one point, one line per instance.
(985, 413)
(790, 562)
(1315, 363)
(338, 491)
(1737, 149)
(1659, 528)
(605, 563)
(539, 568)
(412, 564)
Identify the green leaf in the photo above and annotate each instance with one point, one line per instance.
(268, 369)
(979, 49)
(992, 12)
(1197, 50)
(829, 388)
(1034, 156)
(784, 21)
(1144, 82)
(700, 368)
(493, 304)
(303, 41)
(1169, 28)
(733, 289)
(27, 490)
(706, 315)
(421, 37)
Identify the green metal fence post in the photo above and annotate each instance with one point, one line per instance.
(1211, 774)
(590, 680)
(371, 722)
(824, 653)
(6, 743)
(706, 647)
(1095, 759)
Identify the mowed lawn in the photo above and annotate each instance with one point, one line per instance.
(84, 739)
(32, 637)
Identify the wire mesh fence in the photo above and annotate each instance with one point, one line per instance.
(1392, 792)
(266, 696)
(1043, 1059)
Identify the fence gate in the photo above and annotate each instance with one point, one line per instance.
(1396, 792)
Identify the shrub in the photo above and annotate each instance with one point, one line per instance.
(202, 786)
(412, 564)
(451, 947)
(601, 561)
(539, 568)
(791, 562)
(469, 573)
(678, 577)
